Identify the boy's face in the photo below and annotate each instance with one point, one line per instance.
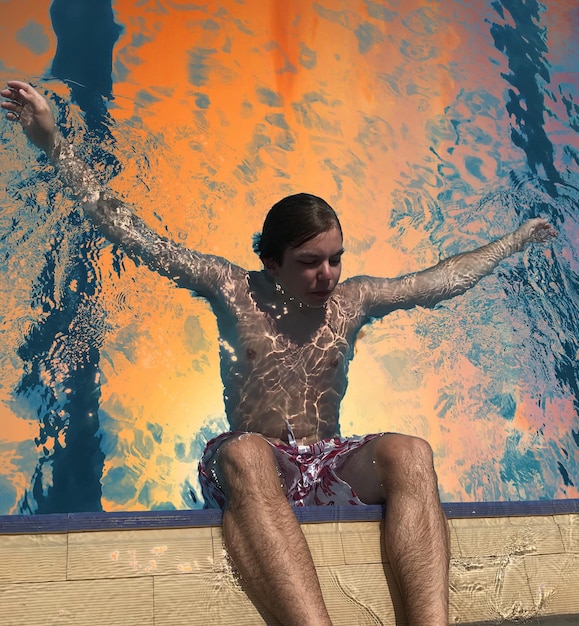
(311, 272)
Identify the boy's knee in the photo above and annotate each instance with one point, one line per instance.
(244, 456)
(404, 455)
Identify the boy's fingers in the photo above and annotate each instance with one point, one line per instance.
(17, 90)
(18, 85)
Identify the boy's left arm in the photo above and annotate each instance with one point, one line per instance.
(451, 276)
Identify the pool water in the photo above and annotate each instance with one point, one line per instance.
(431, 128)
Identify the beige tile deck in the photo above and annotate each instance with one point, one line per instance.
(325, 545)
(361, 542)
(554, 582)
(489, 589)
(82, 603)
(121, 554)
(569, 529)
(503, 570)
(533, 535)
(33, 558)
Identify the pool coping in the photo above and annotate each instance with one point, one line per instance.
(137, 520)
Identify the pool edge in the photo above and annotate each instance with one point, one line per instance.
(86, 521)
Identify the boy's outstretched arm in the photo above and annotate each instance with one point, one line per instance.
(24, 104)
(451, 276)
(200, 272)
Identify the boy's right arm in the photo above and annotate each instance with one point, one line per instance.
(202, 273)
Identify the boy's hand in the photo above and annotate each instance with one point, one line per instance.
(536, 230)
(25, 105)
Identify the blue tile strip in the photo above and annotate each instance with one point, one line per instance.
(78, 522)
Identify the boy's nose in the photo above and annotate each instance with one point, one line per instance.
(324, 271)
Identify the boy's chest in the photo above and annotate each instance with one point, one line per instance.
(291, 343)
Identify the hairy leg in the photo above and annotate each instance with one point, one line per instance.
(263, 536)
(399, 471)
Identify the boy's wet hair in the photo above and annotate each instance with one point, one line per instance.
(291, 222)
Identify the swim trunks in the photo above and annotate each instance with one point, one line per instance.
(308, 473)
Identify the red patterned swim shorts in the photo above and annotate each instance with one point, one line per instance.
(308, 473)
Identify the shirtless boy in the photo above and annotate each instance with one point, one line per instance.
(287, 335)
